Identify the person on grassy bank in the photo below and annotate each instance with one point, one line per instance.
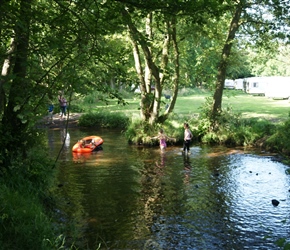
(162, 139)
(187, 138)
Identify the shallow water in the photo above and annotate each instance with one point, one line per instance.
(127, 197)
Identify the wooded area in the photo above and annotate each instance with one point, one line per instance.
(76, 46)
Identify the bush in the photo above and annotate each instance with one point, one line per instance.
(230, 129)
(24, 191)
(23, 224)
(140, 132)
(104, 120)
(279, 141)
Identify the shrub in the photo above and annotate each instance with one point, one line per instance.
(230, 129)
(279, 141)
(104, 120)
(140, 132)
(23, 224)
(24, 192)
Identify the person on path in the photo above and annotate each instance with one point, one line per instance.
(162, 139)
(187, 138)
(50, 113)
(63, 105)
(59, 100)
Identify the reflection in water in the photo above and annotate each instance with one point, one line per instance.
(65, 138)
(81, 158)
(187, 168)
(138, 198)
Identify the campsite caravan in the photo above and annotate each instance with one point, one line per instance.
(229, 84)
(256, 85)
(278, 87)
(240, 84)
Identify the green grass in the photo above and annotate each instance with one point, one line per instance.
(259, 107)
(249, 106)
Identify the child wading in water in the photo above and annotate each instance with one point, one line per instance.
(187, 138)
(162, 139)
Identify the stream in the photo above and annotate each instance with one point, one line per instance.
(129, 197)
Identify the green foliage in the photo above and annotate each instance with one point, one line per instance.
(58, 243)
(95, 99)
(28, 140)
(104, 120)
(230, 128)
(35, 171)
(283, 244)
(191, 92)
(24, 193)
(233, 127)
(73, 108)
(264, 61)
(279, 141)
(140, 132)
(23, 224)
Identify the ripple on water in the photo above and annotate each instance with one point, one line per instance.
(134, 198)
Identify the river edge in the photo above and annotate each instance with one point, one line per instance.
(70, 121)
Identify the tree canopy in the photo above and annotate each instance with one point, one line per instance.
(77, 46)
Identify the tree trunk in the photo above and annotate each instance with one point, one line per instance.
(148, 73)
(162, 76)
(6, 68)
(14, 124)
(222, 68)
(164, 116)
(144, 107)
(5, 58)
(152, 74)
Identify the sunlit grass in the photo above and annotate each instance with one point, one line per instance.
(259, 106)
(247, 105)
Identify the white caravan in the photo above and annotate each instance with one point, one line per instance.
(229, 84)
(256, 85)
(239, 84)
(278, 87)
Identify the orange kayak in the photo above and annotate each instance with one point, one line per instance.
(88, 144)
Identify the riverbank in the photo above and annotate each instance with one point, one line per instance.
(70, 120)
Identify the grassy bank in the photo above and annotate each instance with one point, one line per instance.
(25, 217)
(189, 103)
(246, 121)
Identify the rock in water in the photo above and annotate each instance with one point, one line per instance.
(275, 202)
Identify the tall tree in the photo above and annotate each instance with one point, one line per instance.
(260, 26)
(150, 74)
(157, 56)
(46, 46)
(222, 67)
(13, 120)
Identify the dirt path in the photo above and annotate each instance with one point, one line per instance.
(60, 123)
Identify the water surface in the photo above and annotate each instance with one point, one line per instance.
(128, 197)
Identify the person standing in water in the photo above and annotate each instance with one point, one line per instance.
(162, 139)
(187, 138)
